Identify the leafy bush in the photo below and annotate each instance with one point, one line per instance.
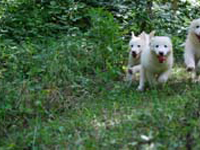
(25, 18)
(105, 33)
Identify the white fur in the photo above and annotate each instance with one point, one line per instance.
(151, 68)
(192, 48)
(136, 45)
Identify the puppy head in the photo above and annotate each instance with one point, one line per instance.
(136, 45)
(161, 46)
(195, 28)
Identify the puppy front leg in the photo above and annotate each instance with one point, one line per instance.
(136, 69)
(190, 64)
(129, 75)
(198, 67)
(196, 74)
(151, 78)
(164, 76)
(131, 72)
(189, 61)
(142, 79)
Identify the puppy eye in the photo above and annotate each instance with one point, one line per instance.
(157, 46)
(132, 46)
(138, 46)
(165, 46)
(197, 26)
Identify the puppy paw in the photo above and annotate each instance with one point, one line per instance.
(162, 79)
(190, 69)
(130, 71)
(140, 89)
(196, 79)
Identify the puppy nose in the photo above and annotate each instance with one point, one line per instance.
(161, 53)
(133, 53)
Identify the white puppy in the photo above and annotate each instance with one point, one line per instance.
(192, 48)
(156, 61)
(136, 44)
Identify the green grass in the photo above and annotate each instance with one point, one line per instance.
(112, 116)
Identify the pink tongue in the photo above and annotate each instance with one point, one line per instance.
(161, 59)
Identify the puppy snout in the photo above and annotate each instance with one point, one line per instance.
(134, 54)
(161, 53)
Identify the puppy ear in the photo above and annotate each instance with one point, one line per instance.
(132, 35)
(143, 32)
(143, 36)
(152, 33)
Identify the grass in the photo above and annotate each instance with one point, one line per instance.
(112, 116)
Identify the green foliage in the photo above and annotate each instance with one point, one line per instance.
(108, 42)
(25, 18)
